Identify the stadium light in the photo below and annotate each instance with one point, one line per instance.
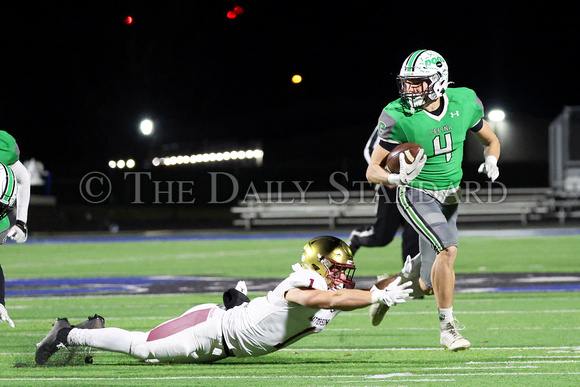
(213, 157)
(120, 164)
(146, 127)
(496, 115)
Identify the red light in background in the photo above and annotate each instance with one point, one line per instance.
(234, 12)
(128, 20)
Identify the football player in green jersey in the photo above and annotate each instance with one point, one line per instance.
(437, 118)
(15, 188)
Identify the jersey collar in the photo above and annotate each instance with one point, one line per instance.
(439, 117)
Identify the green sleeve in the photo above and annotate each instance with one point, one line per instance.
(8, 149)
(4, 223)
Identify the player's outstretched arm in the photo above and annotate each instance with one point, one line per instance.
(349, 299)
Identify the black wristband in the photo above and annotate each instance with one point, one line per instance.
(22, 226)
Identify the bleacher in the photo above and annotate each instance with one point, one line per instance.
(359, 207)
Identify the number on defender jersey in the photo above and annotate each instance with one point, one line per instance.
(439, 149)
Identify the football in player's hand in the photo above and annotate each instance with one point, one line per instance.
(409, 149)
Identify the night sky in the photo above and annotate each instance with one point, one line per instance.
(75, 80)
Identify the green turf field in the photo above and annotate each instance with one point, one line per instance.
(270, 258)
(530, 339)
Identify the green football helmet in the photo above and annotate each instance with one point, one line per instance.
(332, 259)
(8, 189)
(425, 68)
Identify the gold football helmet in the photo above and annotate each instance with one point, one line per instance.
(332, 259)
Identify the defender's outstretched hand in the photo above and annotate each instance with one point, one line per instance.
(395, 293)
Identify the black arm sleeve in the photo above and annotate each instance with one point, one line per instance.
(477, 127)
(387, 145)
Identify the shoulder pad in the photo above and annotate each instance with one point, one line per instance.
(305, 278)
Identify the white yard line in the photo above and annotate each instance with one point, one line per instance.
(422, 377)
(563, 349)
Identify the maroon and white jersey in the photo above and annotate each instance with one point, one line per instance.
(267, 324)
(208, 332)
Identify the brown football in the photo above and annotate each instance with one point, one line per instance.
(410, 149)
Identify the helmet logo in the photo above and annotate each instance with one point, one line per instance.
(437, 61)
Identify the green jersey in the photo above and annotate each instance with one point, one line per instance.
(8, 149)
(441, 135)
(8, 155)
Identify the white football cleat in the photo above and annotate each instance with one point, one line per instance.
(451, 339)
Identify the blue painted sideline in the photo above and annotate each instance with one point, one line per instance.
(98, 281)
(137, 285)
(93, 285)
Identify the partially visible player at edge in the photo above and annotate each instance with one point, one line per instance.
(304, 303)
(15, 190)
(437, 118)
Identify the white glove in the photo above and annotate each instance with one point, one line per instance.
(490, 168)
(19, 232)
(393, 294)
(407, 172)
(4, 315)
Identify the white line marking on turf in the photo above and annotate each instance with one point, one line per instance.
(547, 279)
(544, 357)
(427, 349)
(532, 328)
(525, 362)
(473, 312)
(554, 349)
(327, 377)
(476, 368)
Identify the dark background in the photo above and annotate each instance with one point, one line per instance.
(75, 81)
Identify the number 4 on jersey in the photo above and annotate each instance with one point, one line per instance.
(445, 145)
